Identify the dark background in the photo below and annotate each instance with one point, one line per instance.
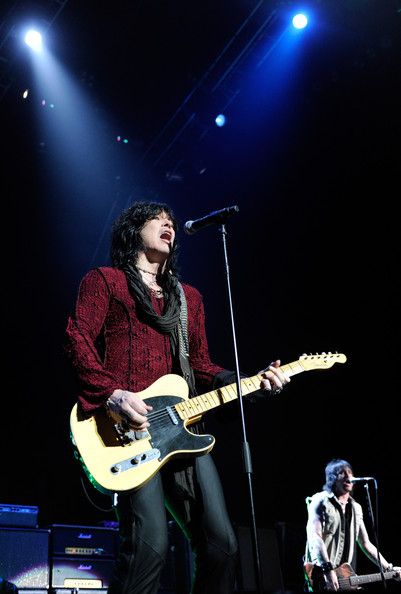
(310, 154)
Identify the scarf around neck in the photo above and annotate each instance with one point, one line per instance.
(170, 320)
(167, 322)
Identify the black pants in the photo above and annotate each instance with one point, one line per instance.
(193, 494)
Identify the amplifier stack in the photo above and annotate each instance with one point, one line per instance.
(82, 557)
(60, 559)
(73, 559)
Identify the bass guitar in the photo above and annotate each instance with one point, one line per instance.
(116, 458)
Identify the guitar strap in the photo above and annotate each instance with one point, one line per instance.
(183, 342)
(306, 557)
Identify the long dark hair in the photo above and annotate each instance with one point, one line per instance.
(126, 241)
(333, 470)
(126, 244)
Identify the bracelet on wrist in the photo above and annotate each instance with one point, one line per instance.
(326, 567)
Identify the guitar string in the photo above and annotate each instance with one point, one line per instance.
(159, 414)
(348, 581)
(163, 412)
(156, 414)
(360, 579)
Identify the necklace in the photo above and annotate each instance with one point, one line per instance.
(152, 284)
(147, 271)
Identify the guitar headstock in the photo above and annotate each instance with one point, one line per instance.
(321, 360)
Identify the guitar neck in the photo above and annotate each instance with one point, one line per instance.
(356, 580)
(199, 405)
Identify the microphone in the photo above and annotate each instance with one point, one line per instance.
(217, 216)
(357, 479)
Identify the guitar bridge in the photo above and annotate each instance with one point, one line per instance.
(128, 435)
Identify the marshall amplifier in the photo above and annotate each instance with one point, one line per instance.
(82, 541)
(24, 557)
(19, 515)
(81, 572)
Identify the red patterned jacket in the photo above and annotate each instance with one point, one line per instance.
(110, 348)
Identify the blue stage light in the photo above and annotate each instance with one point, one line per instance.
(220, 120)
(300, 21)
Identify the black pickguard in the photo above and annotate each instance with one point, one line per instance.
(168, 437)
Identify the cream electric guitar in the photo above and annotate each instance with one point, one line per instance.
(116, 458)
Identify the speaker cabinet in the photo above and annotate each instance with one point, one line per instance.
(269, 560)
(24, 557)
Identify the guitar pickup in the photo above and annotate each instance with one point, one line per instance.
(171, 414)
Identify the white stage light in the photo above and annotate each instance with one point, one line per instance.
(34, 40)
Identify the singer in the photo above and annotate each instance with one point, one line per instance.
(135, 322)
(334, 528)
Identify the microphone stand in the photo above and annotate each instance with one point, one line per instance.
(246, 453)
(375, 531)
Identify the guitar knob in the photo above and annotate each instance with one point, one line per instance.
(116, 469)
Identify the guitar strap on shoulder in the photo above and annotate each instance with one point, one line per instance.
(306, 558)
(183, 342)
